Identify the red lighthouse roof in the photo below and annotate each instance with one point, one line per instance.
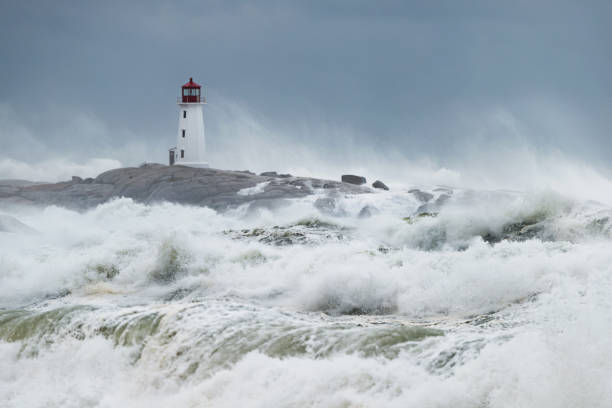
(191, 93)
(191, 84)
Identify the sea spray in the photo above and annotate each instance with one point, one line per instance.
(491, 299)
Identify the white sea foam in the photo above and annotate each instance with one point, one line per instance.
(256, 189)
(128, 304)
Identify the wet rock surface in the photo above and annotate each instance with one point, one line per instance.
(306, 232)
(151, 183)
(530, 227)
(380, 184)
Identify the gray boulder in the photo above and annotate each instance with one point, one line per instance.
(352, 179)
(380, 184)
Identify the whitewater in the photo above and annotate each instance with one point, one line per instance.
(489, 299)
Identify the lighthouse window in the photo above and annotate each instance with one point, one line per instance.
(182, 154)
(183, 132)
(184, 114)
(185, 92)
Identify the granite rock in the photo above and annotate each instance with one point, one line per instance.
(380, 184)
(353, 179)
(153, 183)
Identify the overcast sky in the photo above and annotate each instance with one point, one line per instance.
(426, 80)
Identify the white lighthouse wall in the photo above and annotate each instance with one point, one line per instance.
(194, 142)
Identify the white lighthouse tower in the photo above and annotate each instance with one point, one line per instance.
(190, 140)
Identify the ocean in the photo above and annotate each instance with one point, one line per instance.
(477, 299)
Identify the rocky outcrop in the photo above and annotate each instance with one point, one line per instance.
(380, 184)
(352, 179)
(532, 226)
(275, 174)
(309, 231)
(153, 183)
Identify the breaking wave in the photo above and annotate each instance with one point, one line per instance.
(423, 296)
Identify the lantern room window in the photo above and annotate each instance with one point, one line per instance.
(191, 92)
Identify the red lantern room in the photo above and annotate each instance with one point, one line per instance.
(192, 92)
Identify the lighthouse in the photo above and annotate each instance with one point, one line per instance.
(190, 140)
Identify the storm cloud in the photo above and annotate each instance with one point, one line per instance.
(296, 85)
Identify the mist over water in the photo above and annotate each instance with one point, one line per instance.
(496, 298)
(522, 146)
